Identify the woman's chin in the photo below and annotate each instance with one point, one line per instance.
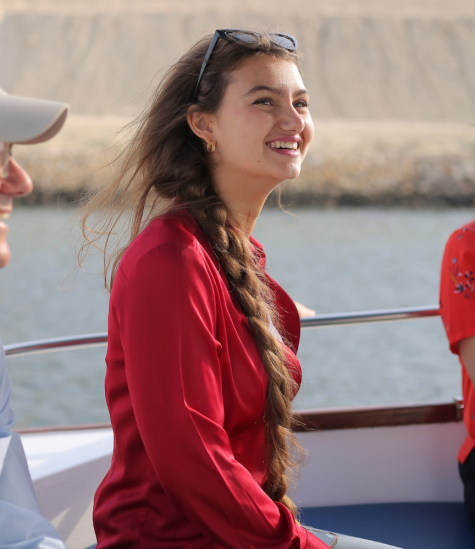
(4, 254)
(4, 248)
(292, 171)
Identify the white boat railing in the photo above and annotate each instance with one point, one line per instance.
(318, 321)
(367, 317)
(68, 343)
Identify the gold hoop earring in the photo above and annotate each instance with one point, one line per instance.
(211, 147)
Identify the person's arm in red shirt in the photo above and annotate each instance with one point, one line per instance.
(457, 292)
(167, 312)
(467, 352)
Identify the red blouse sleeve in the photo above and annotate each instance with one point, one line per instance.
(167, 313)
(457, 287)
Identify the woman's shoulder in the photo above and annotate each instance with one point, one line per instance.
(171, 237)
(462, 238)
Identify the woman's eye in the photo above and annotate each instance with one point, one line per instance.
(263, 101)
(301, 104)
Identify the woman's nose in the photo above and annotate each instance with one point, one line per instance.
(17, 182)
(292, 120)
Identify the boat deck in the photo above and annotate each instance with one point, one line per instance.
(405, 525)
(399, 453)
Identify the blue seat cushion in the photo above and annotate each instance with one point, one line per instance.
(406, 525)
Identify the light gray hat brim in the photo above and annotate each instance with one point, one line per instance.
(26, 121)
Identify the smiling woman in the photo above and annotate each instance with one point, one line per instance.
(201, 364)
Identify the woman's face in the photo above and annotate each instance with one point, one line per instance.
(17, 183)
(263, 127)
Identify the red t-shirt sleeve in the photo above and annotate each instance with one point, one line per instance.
(457, 287)
(167, 312)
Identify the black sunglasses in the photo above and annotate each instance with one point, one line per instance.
(285, 41)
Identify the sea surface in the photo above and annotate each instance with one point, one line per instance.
(330, 260)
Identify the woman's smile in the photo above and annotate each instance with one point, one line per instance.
(286, 145)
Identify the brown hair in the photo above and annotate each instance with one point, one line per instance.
(165, 167)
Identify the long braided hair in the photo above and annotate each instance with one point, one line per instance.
(165, 167)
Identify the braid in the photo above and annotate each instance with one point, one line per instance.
(248, 281)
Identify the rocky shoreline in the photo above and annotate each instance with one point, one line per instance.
(421, 182)
(349, 164)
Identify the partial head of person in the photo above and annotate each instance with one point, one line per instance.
(227, 124)
(250, 110)
(23, 121)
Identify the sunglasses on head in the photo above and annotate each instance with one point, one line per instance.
(285, 41)
(5, 153)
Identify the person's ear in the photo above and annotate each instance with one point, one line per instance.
(201, 124)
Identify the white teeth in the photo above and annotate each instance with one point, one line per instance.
(4, 215)
(283, 145)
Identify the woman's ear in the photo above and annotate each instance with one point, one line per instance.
(201, 124)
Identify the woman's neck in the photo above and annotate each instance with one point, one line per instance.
(243, 219)
(243, 200)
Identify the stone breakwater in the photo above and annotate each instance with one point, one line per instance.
(349, 163)
(387, 164)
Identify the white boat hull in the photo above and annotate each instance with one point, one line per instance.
(66, 468)
(408, 463)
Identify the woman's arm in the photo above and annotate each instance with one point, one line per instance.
(457, 293)
(167, 314)
(467, 353)
(303, 311)
(21, 524)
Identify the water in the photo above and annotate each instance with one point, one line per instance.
(330, 260)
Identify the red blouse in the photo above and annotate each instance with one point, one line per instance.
(457, 307)
(186, 390)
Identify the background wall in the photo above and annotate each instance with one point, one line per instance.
(367, 64)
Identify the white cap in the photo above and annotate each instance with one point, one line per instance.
(27, 121)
